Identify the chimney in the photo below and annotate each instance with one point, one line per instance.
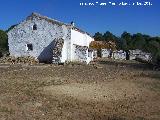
(72, 23)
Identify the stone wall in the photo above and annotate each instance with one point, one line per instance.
(57, 50)
(119, 55)
(144, 57)
(81, 53)
(105, 53)
(133, 54)
(95, 54)
(140, 55)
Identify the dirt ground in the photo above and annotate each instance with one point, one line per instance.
(104, 90)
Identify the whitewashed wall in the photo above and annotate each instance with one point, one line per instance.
(90, 56)
(81, 39)
(42, 39)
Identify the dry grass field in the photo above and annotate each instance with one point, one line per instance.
(105, 90)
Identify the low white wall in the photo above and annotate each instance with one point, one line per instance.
(119, 55)
(105, 53)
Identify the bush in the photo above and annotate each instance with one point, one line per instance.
(3, 42)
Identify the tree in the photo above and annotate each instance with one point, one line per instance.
(98, 36)
(138, 41)
(127, 41)
(153, 47)
(3, 41)
(119, 43)
(108, 36)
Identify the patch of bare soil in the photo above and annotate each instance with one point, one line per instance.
(116, 90)
(106, 90)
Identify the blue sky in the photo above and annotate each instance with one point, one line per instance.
(144, 19)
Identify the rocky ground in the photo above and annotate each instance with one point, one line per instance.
(104, 90)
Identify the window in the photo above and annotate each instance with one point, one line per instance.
(34, 27)
(29, 47)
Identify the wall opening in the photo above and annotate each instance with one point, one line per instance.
(34, 27)
(90, 52)
(29, 47)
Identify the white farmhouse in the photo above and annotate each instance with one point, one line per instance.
(49, 40)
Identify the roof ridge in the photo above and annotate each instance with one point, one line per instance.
(53, 21)
(47, 18)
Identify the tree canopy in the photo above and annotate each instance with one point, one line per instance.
(128, 41)
(3, 41)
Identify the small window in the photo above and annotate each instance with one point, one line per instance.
(29, 47)
(34, 27)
